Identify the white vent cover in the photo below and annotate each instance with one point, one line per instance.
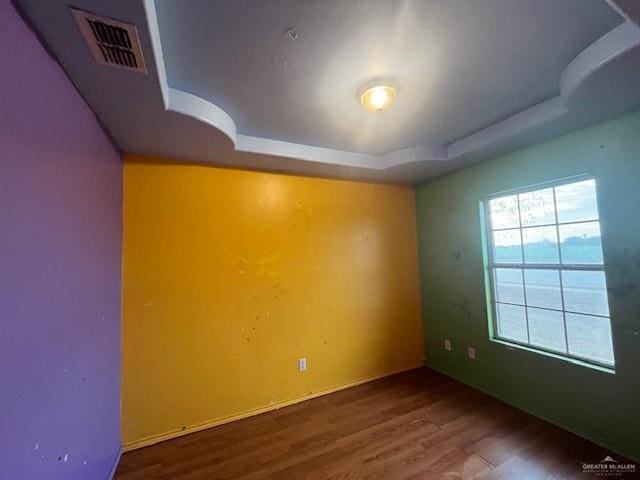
(111, 42)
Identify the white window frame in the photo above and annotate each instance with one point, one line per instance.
(491, 265)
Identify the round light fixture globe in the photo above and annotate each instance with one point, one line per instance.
(378, 98)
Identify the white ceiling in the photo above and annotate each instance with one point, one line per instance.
(262, 84)
(461, 65)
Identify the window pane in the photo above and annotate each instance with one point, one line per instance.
(543, 288)
(536, 208)
(504, 212)
(540, 245)
(580, 243)
(509, 285)
(512, 323)
(507, 247)
(546, 329)
(577, 201)
(585, 292)
(590, 337)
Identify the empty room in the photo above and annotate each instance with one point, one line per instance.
(319, 239)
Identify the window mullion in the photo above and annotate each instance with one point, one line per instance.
(524, 289)
(564, 315)
(551, 266)
(573, 222)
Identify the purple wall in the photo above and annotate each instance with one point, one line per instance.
(60, 241)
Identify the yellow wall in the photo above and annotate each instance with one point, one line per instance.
(231, 276)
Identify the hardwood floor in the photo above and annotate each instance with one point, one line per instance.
(414, 425)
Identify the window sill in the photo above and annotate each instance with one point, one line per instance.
(575, 361)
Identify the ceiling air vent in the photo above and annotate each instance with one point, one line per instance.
(111, 42)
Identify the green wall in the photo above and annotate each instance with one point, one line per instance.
(595, 404)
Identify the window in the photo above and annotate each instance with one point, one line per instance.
(548, 286)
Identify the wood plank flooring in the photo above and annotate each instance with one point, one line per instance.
(414, 425)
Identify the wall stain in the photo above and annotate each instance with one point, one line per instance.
(636, 259)
(621, 290)
(464, 307)
(627, 281)
(265, 265)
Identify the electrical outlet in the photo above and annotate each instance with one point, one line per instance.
(447, 345)
(472, 353)
(302, 364)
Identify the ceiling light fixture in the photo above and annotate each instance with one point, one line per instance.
(378, 98)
